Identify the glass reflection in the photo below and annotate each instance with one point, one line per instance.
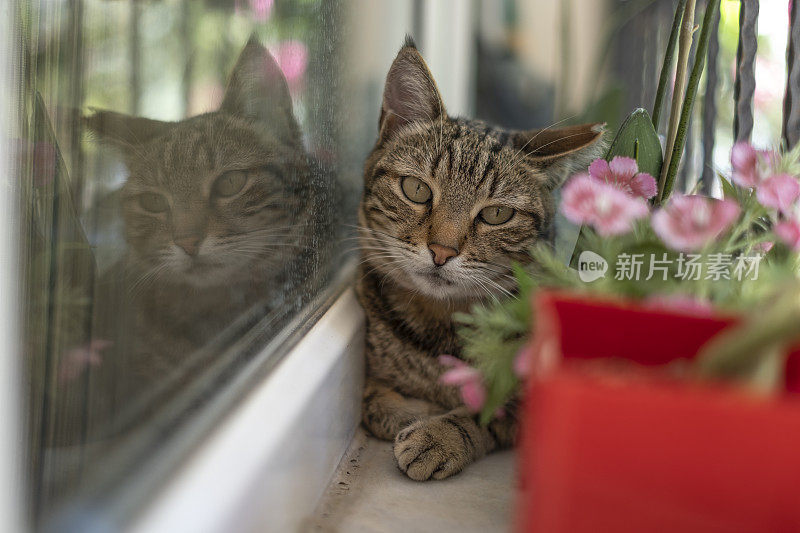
(160, 256)
(217, 213)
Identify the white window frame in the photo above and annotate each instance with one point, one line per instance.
(12, 460)
(267, 464)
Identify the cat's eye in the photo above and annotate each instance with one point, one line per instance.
(416, 190)
(496, 214)
(153, 202)
(229, 183)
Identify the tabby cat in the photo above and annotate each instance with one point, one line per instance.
(219, 211)
(448, 204)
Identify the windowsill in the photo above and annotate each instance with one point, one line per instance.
(369, 493)
(271, 458)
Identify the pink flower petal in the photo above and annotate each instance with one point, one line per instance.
(621, 211)
(750, 166)
(523, 361)
(474, 395)
(599, 169)
(743, 156)
(681, 302)
(744, 160)
(763, 247)
(789, 232)
(459, 376)
(623, 173)
(76, 360)
(578, 199)
(610, 211)
(779, 192)
(261, 9)
(644, 185)
(452, 361)
(624, 168)
(292, 57)
(688, 223)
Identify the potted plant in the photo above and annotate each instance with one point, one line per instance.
(661, 374)
(647, 446)
(660, 369)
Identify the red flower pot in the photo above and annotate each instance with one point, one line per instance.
(618, 452)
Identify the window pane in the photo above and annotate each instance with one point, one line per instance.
(182, 206)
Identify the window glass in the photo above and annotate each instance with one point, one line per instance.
(182, 204)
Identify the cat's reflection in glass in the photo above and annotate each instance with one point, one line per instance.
(218, 220)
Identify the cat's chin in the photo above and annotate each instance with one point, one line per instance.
(203, 279)
(437, 286)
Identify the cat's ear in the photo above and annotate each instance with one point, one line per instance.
(410, 94)
(561, 152)
(258, 92)
(125, 131)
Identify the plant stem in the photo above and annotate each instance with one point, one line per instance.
(684, 47)
(563, 95)
(736, 351)
(691, 93)
(665, 68)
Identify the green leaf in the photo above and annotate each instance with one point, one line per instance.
(728, 190)
(638, 139)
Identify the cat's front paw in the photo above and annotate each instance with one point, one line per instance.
(435, 448)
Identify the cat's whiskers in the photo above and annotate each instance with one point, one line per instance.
(499, 287)
(490, 284)
(386, 241)
(149, 276)
(391, 257)
(392, 271)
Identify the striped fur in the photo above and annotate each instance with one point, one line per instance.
(409, 301)
(255, 251)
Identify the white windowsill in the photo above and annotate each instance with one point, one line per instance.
(267, 464)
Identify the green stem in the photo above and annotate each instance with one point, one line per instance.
(740, 230)
(688, 103)
(665, 68)
(679, 88)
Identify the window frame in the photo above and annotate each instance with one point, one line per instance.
(12, 457)
(319, 378)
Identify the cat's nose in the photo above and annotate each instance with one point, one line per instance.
(190, 243)
(441, 253)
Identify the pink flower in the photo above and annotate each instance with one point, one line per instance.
(73, 363)
(468, 379)
(262, 9)
(623, 172)
(683, 303)
(524, 360)
(778, 192)
(751, 166)
(610, 211)
(763, 247)
(292, 57)
(688, 223)
(789, 232)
